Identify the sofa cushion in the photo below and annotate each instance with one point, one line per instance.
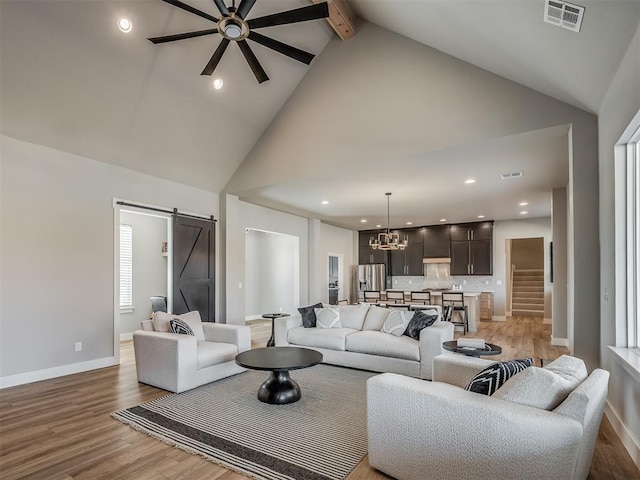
(213, 353)
(331, 338)
(375, 317)
(328, 317)
(178, 326)
(537, 387)
(352, 316)
(308, 315)
(421, 319)
(378, 343)
(397, 321)
(570, 368)
(161, 322)
(488, 380)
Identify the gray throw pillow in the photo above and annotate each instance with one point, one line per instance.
(309, 315)
(419, 321)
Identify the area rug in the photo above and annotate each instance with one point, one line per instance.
(323, 436)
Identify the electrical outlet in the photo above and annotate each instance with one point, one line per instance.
(498, 282)
(464, 282)
(606, 294)
(280, 309)
(78, 346)
(239, 284)
(409, 282)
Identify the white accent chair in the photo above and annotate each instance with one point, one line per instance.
(177, 362)
(438, 430)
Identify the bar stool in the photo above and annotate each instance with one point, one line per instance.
(395, 296)
(455, 300)
(421, 297)
(372, 296)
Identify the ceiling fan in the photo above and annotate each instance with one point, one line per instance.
(234, 27)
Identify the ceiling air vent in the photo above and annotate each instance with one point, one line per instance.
(563, 14)
(507, 176)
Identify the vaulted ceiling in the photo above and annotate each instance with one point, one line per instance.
(71, 80)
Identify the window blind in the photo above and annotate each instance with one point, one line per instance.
(126, 266)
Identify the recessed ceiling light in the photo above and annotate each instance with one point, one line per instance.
(524, 212)
(325, 202)
(443, 219)
(470, 180)
(378, 226)
(523, 204)
(125, 25)
(480, 216)
(364, 220)
(409, 223)
(217, 83)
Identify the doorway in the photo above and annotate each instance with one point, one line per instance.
(272, 273)
(335, 278)
(526, 288)
(144, 264)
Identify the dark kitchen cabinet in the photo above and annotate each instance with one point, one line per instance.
(436, 242)
(366, 254)
(471, 248)
(408, 262)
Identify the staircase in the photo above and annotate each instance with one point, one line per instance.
(527, 293)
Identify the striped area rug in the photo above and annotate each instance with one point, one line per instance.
(323, 436)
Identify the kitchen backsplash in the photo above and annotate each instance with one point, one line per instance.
(477, 283)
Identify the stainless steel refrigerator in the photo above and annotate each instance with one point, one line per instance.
(371, 277)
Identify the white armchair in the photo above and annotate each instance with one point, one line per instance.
(438, 430)
(177, 362)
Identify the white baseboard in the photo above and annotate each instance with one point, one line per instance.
(47, 373)
(508, 313)
(126, 336)
(498, 318)
(546, 321)
(560, 342)
(626, 437)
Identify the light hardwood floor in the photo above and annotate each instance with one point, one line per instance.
(62, 428)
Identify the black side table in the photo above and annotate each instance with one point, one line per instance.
(273, 316)
(490, 349)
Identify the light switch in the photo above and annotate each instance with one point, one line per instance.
(239, 284)
(498, 282)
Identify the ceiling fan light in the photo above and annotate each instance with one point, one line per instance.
(233, 30)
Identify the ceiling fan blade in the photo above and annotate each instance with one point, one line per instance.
(257, 69)
(311, 12)
(183, 36)
(222, 7)
(190, 9)
(244, 7)
(215, 58)
(283, 48)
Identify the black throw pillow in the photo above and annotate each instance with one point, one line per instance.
(419, 321)
(309, 315)
(490, 379)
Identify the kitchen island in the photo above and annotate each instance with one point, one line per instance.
(470, 300)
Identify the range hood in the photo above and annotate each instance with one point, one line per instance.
(436, 260)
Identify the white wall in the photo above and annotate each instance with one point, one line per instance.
(621, 103)
(271, 273)
(57, 251)
(336, 241)
(560, 281)
(510, 229)
(149, 267)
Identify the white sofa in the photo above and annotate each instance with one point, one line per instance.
(437, 427)
(359, 343)
(178, 362)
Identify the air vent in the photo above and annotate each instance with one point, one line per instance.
(507, 176)
(563, 14)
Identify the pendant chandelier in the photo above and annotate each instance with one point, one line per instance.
(388, 240)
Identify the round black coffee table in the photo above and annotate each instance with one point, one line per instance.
(490, 349)
(279, 388)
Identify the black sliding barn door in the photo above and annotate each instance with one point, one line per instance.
(194, 267)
